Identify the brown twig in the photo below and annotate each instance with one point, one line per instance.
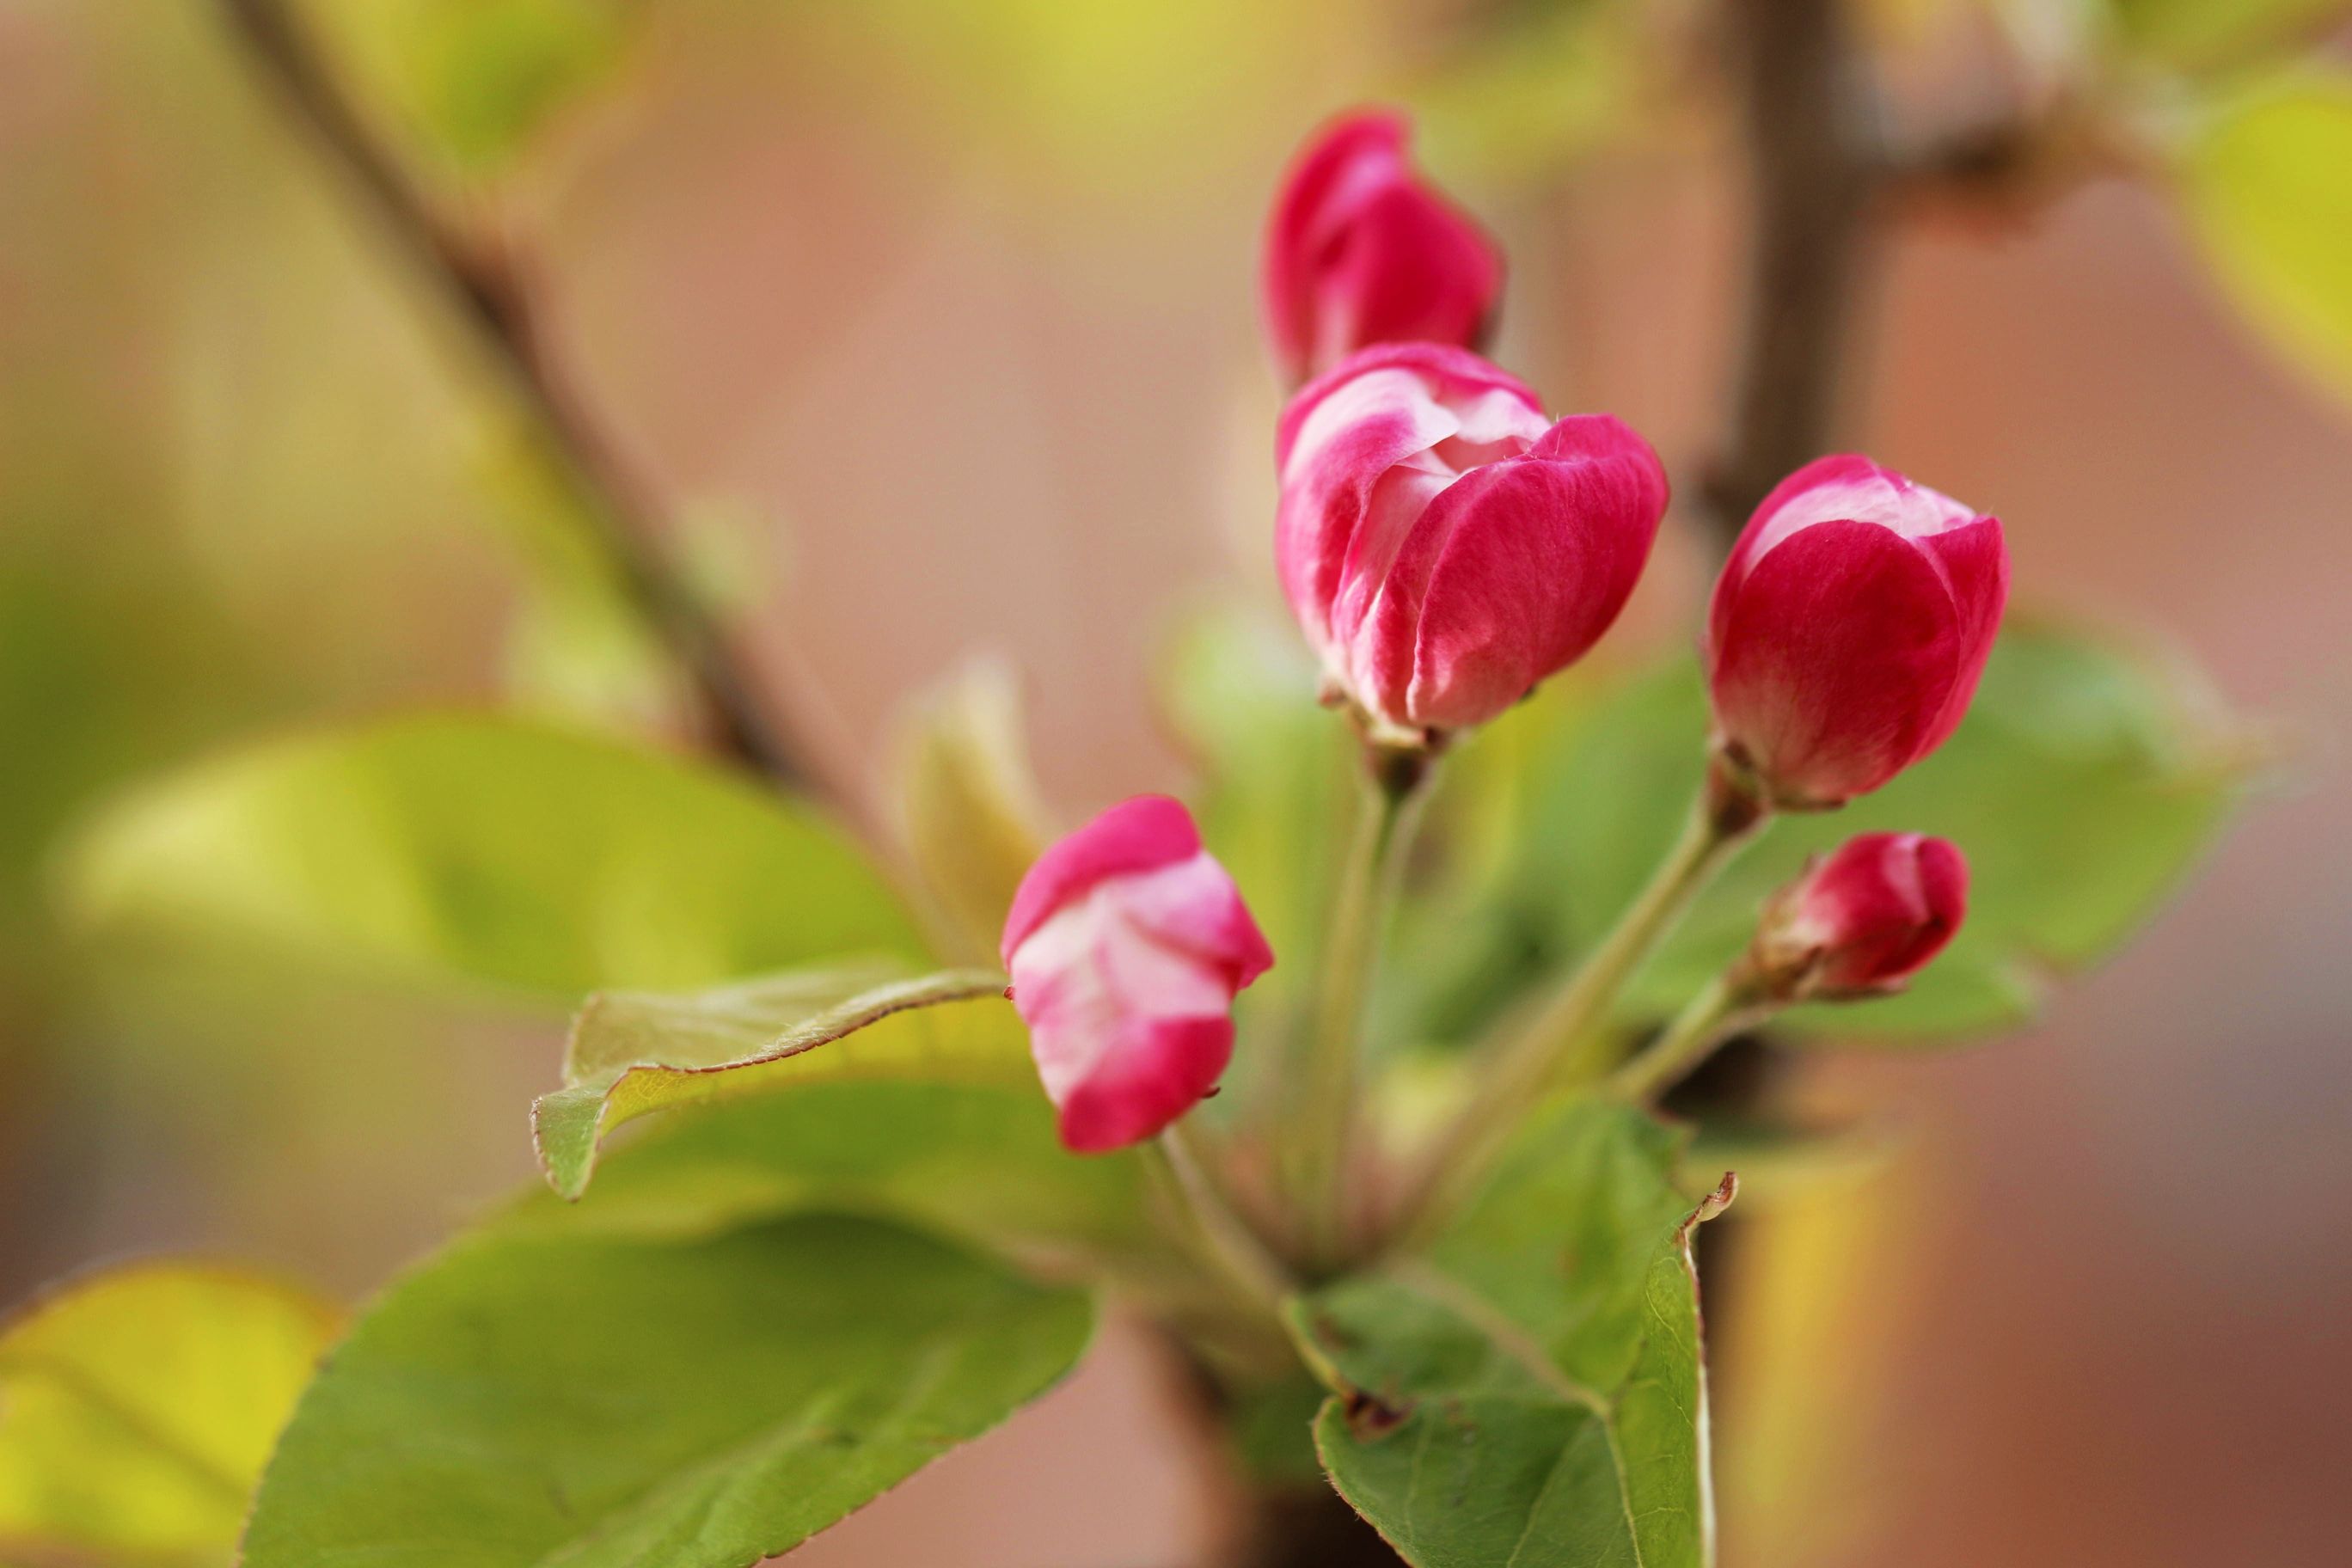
(487, 291)
(1815, 156)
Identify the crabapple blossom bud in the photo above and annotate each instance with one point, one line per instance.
(1862, 921)
(1360, 251)
(1126, 944)
(1848, 630)
(1443, 544)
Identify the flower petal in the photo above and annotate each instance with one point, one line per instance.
(1139, 835)
(1514, 572)
(1975, 562)
(1834, 660)
(1160, 1069)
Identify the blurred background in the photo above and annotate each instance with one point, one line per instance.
(932, 323)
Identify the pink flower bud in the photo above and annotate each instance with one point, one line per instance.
(1126, 944)
(1849, 628)
(1865, 920)
(1443, 544)
(1359, 251)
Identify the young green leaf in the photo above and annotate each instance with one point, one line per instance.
(979, 1163)
(482, 850)
(562, 1394)
(137, 1407)
(2264, 182)
(2082, 786)
(1530, 1391)
(634, 1053)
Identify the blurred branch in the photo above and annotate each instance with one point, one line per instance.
(488, 292)
(1815, 156)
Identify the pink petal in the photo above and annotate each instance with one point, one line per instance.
(1882, 906)
(1975, 563)
(1513, 572)
(1139, 835)
(1360, 250)
(1832, 661)
(1350, 450)
(1366, 144)
(1159, 1071)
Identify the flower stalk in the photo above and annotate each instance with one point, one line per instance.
(1325, 1112)
(1726, 1005)
(1535, 1059)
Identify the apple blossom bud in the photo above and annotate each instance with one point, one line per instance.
(1862, 921)
(1126, 944)
(1444, 545)
(1848, 630)
(1360, 251)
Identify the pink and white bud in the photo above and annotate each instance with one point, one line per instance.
(1444, 545)
(1126, 944)
(1849, 628)
(1865, 920)
(1360, 250)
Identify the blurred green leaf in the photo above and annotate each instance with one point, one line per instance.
(2082, 784)
(2266, 179)
(1530, 1391)
(138, 1405)
(634, 1053)
(1531, 88)
(548, 1395)
(968, 802)
(2210, 33)
(473, 79)
(489, 850)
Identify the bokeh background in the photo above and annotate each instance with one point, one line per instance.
(933, 321)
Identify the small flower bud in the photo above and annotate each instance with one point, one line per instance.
(1127, 943)
(1444, 545)
(1862, 921)
(1848, 630)
(1360, 251)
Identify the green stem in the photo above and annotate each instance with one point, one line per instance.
(1534, 1060)
(1326, 1104)
(1724, 1007)
(1225, 1239)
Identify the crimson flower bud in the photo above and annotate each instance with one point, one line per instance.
(1126, 944)
(1865, 920)
(1360, 251)
(1849, 628)
(1443, 544)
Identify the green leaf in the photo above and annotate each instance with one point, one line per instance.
(596, 1400)
(1531, 1392)
(2266, 180)
(968, 802)
(980, 1164)
(634, 1053)
(137, 1407)
(489, 851)
(2201, 35)
(473, 79)
(2082, 786)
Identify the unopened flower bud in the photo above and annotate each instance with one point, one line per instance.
(1862, 921)
(1444, 545)
(1127, 943)
(1848, 630)
(1360, 250)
